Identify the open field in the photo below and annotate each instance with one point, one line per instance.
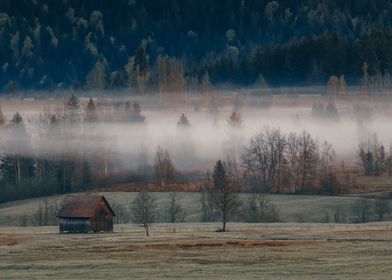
(293, 208)
(273, 251)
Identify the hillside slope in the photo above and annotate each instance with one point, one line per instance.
(293, 208)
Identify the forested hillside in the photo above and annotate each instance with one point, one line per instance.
(177, 44)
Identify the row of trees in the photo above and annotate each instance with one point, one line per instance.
(65, 159)
(71, 155)
(275, 162)
(219, 201)
(374, 158)
(145, 211)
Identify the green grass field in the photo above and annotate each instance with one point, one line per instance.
(293, 208)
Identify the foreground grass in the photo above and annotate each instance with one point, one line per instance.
(274, 251)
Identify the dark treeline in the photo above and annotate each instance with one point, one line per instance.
(72, 152)
(65, 160)
(147, 44)
(375, 159)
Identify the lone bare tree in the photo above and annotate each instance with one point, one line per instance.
(163, 167)
(224, 197)
(143, 210)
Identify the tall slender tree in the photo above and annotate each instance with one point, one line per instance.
(224, 196)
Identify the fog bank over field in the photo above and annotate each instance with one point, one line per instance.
(208, 138)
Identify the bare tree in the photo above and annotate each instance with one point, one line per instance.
(122, 215)
(264, 158)
(175, 212)
(361, 211)
(328, 157)
(206, 201)
(224, 196)
(308, 159)
(340, 216)
(163, 167)
(382, 209)
(258, 208)
(144, 169)
(328, 179)
(46, 213)
(234, 172)
(293, 162)
(143, 210)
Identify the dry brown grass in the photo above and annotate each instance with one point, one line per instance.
(134, 187)
(289, 251)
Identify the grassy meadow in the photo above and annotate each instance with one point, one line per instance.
(192, 250)
(293, 208)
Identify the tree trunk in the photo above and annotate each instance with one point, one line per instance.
(18, 169)
(146, 229)
(224, 220)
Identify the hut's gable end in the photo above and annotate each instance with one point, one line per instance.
(103, 217)
(104, 204)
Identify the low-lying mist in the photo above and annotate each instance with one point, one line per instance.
(208, 138)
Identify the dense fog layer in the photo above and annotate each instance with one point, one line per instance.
(208, 138)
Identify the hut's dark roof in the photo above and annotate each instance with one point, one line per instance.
(82, 206)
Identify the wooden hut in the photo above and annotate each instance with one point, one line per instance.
(86, 213)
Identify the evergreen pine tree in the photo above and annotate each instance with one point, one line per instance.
(224, 196)
(183, 121)
(91, 114)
